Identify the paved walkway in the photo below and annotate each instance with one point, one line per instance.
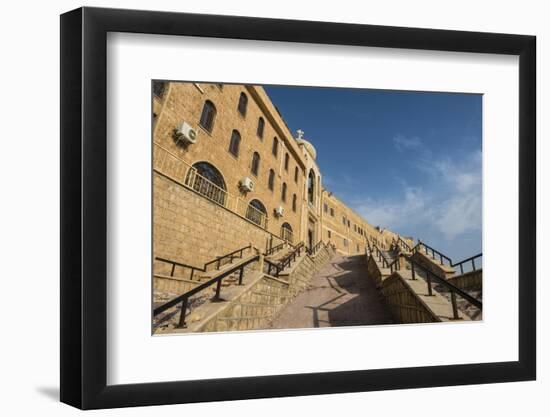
(339, 295)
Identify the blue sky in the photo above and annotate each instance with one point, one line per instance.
(409, 161)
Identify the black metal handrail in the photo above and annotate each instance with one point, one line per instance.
(291, 257)
(428, 249)
(275, 268)
(452, 288)
(381, 257)
(231, 256)
(274, 249)
(315, 249)
(368, 249)
(404, 245)
(272, 268)
(218, 259)
(395, 265)
(464, 261)
(184, 298)
(174, 264)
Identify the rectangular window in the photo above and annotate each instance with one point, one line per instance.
(332, 212)
(345, 242)
(329, 234)
(325, 207)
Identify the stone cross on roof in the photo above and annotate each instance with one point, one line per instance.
(300, 134)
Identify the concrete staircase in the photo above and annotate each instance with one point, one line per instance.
(409, 299)
(253, 304)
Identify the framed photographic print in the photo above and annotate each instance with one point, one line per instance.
(257, 208)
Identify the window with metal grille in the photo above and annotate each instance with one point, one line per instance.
(286, 232)
(257, 213)
(207, 180)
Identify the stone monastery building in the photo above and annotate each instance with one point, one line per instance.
(227, 172)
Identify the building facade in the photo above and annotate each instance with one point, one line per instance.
(228, 172)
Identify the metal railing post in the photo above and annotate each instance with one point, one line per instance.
(413, 273)
(183, 311)
(240, 276)
(429, 281)
(455, 308)
(218, 288)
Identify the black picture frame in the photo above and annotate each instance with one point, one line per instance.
(84, 207)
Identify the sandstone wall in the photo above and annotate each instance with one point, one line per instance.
(191, 229)
(184, 101)
(470, 281)
(404, 304)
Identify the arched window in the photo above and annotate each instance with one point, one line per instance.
(275, 148)
(255, 163)
(294, 202)
(296, 175)
(271, 180)
(208, 115)
(234, 143)
(208, 181)
(286, 232)
(260, 130)
(243, 102)
(283, 192)
(311, 187)
(256, 212)
(286, 161)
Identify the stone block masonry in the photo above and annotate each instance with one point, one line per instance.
(259, 301)
(190, 229)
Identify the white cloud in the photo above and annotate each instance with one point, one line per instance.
(403, 143)
(411, 207)
(461, 211)
(450, 205)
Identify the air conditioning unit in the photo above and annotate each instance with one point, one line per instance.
(279, 211)
(246, 184)
(186, 133)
